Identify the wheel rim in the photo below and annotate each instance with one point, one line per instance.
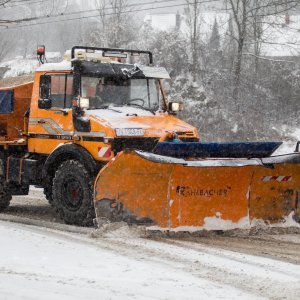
(72, 193)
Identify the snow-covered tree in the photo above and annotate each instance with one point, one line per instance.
(115, 26)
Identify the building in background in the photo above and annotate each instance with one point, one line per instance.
(163, 21)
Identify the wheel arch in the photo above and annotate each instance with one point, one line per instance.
(67, 152)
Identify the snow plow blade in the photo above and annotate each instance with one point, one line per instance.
(217, 194)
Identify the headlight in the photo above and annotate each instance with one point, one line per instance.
(175, 106)
(84, 102)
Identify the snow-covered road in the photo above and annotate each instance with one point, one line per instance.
(44, 263)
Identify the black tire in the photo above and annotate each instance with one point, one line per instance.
(19, 190)
(25, 189)
(72, 193)
(5, 194)
(48, 190)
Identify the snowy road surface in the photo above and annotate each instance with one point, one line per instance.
(41, 263)
(51, 260)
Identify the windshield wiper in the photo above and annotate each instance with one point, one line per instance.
(105, 106)
(140, 106)
(98, 107)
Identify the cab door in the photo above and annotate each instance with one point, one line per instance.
(53, 122)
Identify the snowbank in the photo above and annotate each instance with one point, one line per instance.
(289, 145)
(283, 38)
(19, 66)
(23, 66)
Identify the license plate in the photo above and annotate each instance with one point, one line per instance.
(130, 132)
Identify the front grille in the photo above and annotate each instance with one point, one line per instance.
(188, 140)
(144, 144)
(185, 133)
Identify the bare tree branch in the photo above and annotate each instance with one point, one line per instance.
(268, 59)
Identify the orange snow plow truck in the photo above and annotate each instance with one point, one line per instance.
(98, 134)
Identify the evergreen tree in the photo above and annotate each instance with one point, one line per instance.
(215, 40)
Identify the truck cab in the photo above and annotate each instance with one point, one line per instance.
(97, 102)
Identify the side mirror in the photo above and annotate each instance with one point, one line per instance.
(45, 86)
(44, 103)
(175, 106)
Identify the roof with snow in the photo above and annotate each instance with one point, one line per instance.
(281, 36)
(62, 66)
(23, 66)
(19, 66)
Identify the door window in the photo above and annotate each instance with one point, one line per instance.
(58, 88)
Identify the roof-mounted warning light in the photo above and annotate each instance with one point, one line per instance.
(117, 53)
(114, 54)
(40, 52)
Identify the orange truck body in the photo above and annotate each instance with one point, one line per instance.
(11, 124)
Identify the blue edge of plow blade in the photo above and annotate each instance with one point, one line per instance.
(216, 150)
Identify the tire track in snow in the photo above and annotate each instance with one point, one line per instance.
(265, 278)
(48, 264)
(257, 275)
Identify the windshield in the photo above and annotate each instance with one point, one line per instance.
(102, 92)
